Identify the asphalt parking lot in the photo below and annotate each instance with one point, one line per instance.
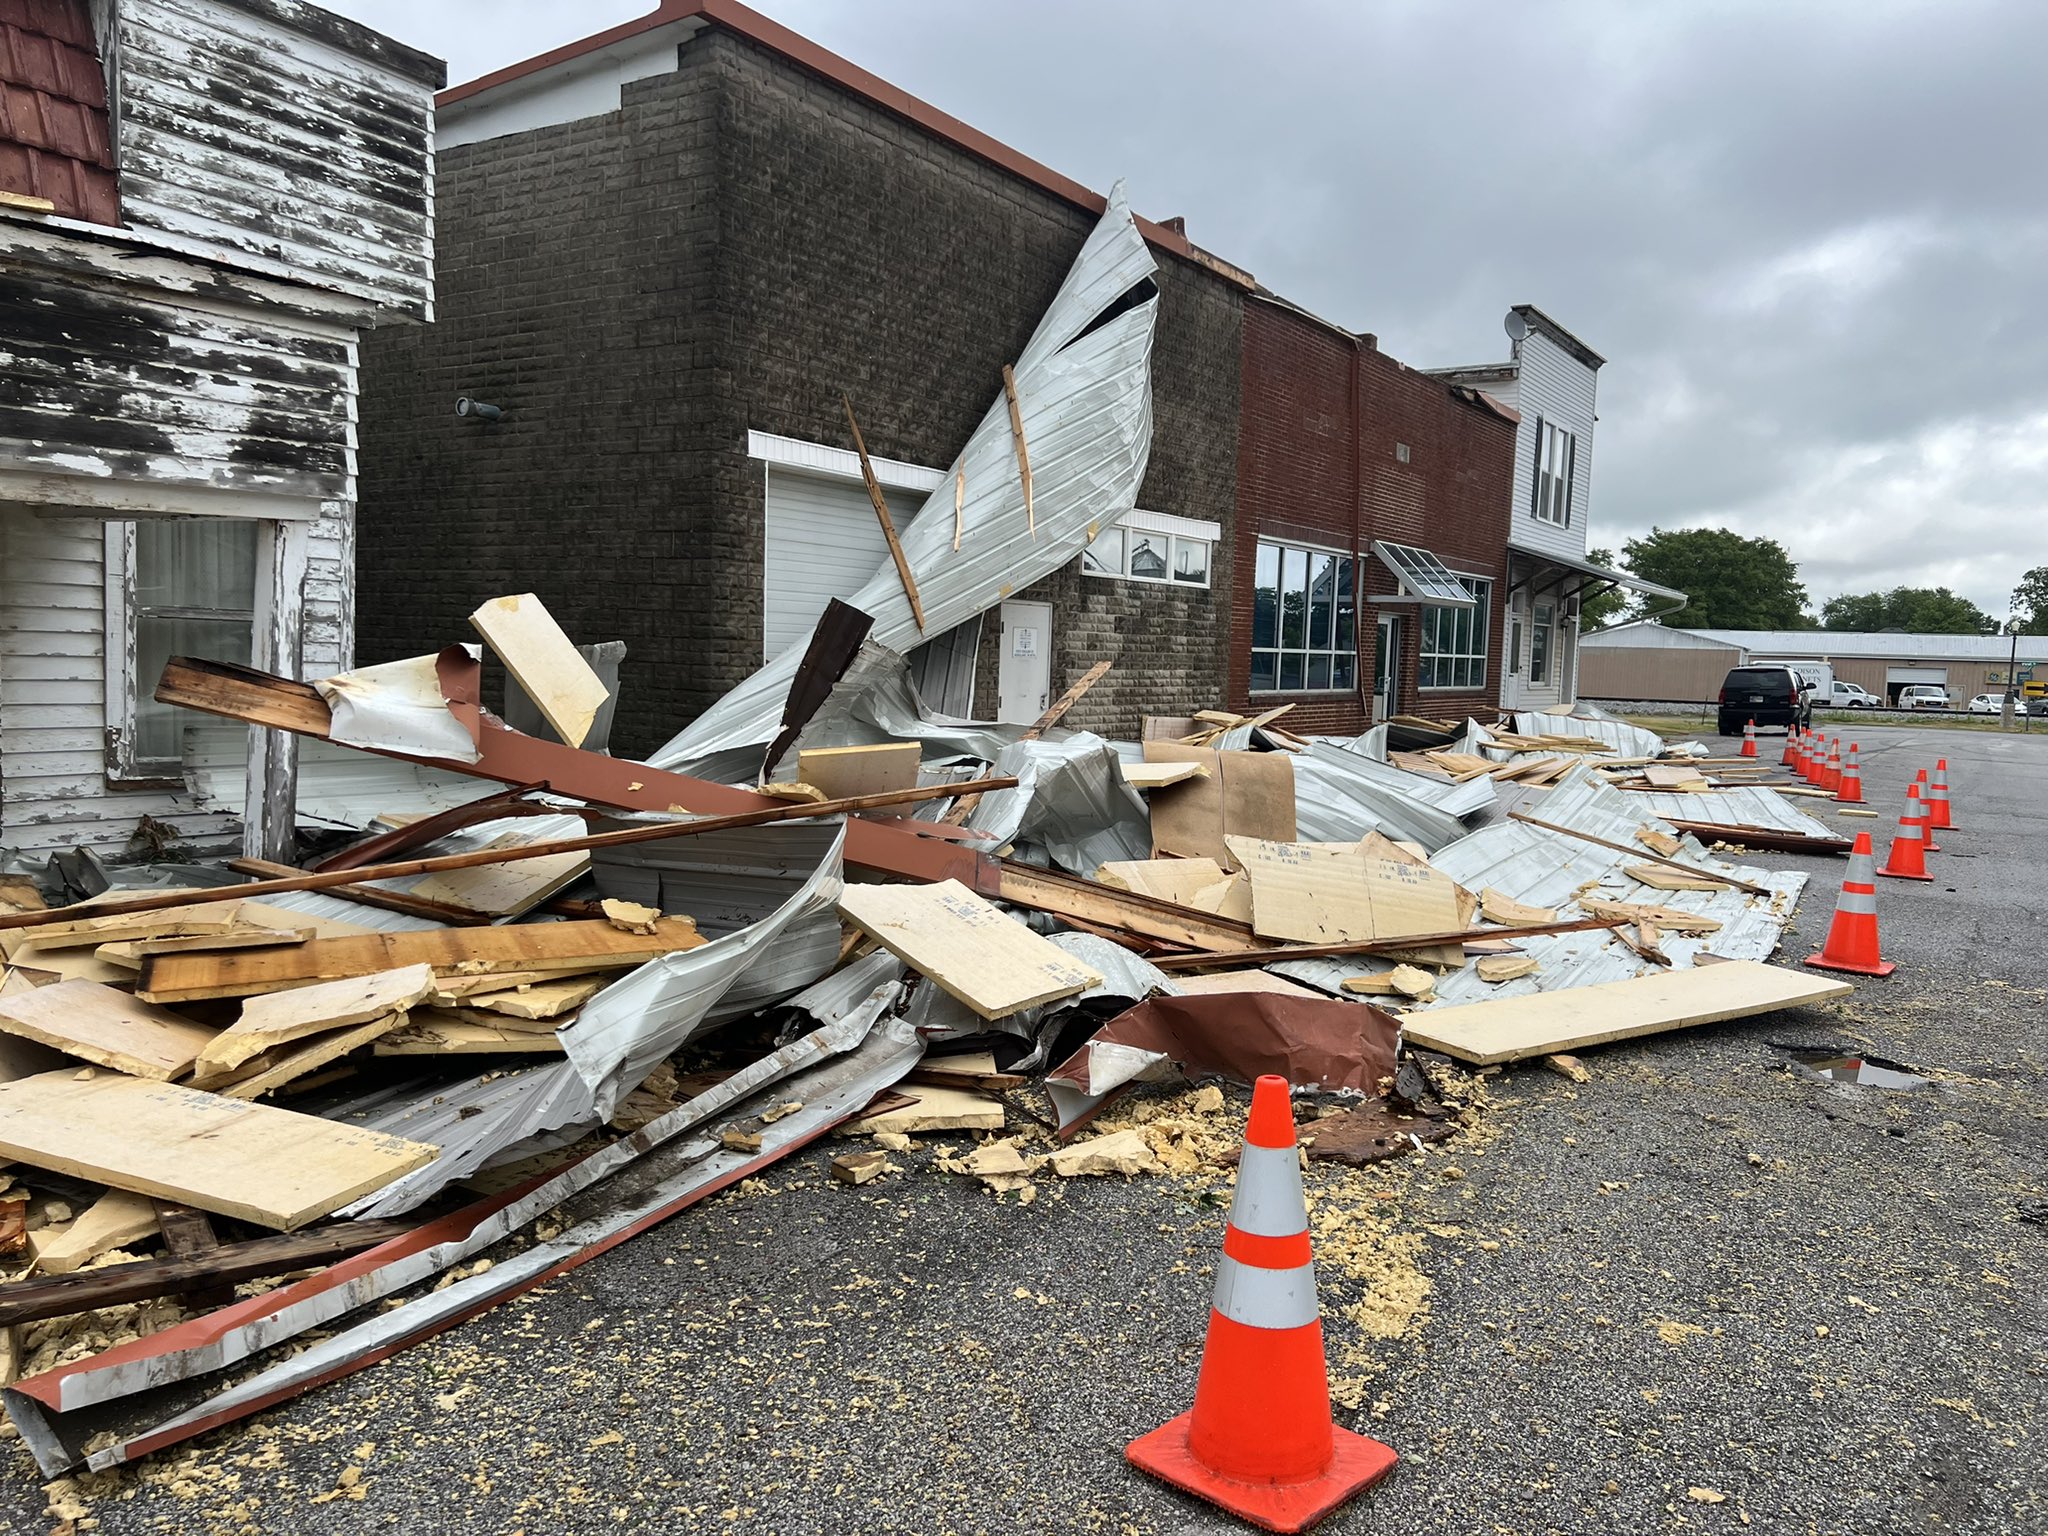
(1701, 1292)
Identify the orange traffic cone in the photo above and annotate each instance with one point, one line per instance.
(1852, 936)
(1851, 792)
(1259, 1440)
(1917, 804)
(1791, 747)
(1809, 768)
(1749, 738)
(1908, 858)
(1937, 797)
(1831, 777)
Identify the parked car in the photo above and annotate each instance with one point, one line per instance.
(1924, 696)
(1994, 704)
(1769, 695)
(1841, 695)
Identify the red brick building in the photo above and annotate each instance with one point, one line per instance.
(1371, 530)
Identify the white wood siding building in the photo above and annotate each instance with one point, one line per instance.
(209, 203)
(1551, 378)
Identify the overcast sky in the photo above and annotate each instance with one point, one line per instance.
(1810, 239)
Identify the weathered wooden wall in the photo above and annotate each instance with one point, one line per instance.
(280, 131)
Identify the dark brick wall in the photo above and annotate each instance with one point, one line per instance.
(736, 247)
(1318, 464)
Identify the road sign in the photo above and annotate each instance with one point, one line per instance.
(2035, 690)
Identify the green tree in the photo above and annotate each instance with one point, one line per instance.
(1608, 608)
(1907, 610)
(1730, 582)
(2030, 601)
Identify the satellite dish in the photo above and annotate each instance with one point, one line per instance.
(1515, 326)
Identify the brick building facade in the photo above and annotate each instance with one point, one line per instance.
(1339, 447)
(740, 239)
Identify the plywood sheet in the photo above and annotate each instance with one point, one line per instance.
(562, 685)
(1509, 1029)
(115, 1220)
(839, 773)
(278, 1018)
(108, 1028)
(1243, 981)
(529, 948)
(1175, 880)
(1160, 775)
(1245, 794)
(990, 961)
(86, 931)
(431, 1032)
(270, 1166)
(505, 890)
(936, 1109)
(273, 1069)
(543, 1000)
(1335, 893)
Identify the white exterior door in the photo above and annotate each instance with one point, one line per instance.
(1024, 680)
(1386, 664)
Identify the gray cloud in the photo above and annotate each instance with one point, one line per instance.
(1810, 239)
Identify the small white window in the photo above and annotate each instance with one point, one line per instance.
(1557, 453)
(175, 587)
(1139, 554)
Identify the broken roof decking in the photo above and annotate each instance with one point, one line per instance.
(1086, 402)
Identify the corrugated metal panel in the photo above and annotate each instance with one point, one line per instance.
(273, 129)
(114, 381)
(1750, 805)
(1340, 795)
(1821, 643)
(1086, 402)
(1628, 740)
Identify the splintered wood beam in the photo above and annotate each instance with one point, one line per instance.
(1641, 856)
(867, 473)
(328, 879)
(389, 901)
(1017, 436)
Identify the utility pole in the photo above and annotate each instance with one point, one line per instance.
(2012, 669)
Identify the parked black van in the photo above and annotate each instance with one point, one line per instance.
(1767, 695)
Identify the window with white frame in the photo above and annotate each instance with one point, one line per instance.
(1557, 456)
(1304, 620)
(1542, 628)
(1139, 554)
(175, 587)
(1454, 639)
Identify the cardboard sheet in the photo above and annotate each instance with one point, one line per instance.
(1245, 794)
(1337, 893)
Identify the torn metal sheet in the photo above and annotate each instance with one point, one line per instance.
(831, 999)
(1747, 805)
(1312, 1042)
(340, 788)
(1085, 393)
(1341, 795)
(840, 1068)
(1071, 799)
(1628, 740)
(622, 1032)
(397, 706)
(335, 909)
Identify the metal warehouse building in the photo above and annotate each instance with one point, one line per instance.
(1649, 660)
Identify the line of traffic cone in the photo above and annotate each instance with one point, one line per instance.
(1259, 1440)
(1791, 756)
(1852, 936)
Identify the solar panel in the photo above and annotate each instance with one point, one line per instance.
(1423, 574)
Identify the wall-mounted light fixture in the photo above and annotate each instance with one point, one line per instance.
(481, 410)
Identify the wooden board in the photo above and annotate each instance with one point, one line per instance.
(1509, 1029)
(1244, 981)
(988, 960)
(1668, 776)
(278, 1018)
(1175, 880)
(131, 951)
(269, 1166)
(936, 1109)
(1334, 893)
(108, 1028)
(1246, 794)
(287, 1063)
(1662, 877)
(430, 1032)
(543, 1000)
(115, 1220)
(86, 931)
(562, 685)
(505, 890)
(843, 772)
(1160, 775)
(536, 948)
(1499, 908)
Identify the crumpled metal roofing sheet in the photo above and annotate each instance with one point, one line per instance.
(1746, 805)
(1340, 795)
(1086, 403)
(1071, 799)
(1628, 740)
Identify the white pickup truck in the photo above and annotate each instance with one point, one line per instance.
(1841, 695)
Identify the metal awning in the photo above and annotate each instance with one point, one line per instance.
(1576, 575)
(1422, 574)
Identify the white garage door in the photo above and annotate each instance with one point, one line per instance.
(821, 542)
